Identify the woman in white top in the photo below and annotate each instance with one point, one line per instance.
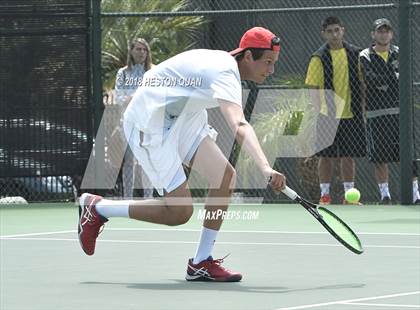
(139, 60)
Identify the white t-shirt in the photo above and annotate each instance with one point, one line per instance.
(126, 82)
(186, 83)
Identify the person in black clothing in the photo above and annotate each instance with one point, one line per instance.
(379, 64)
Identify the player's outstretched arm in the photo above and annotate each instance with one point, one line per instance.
(246, 137)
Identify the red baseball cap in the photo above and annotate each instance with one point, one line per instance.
(258, 37)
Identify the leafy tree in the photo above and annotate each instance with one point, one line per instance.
(275, 128)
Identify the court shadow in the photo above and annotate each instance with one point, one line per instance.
(182, 285)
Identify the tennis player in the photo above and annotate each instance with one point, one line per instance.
(166, 127)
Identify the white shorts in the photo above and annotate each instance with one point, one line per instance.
(163, 152)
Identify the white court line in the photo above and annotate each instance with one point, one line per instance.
(38, 234)
(381, 305)
(263, 231)
(199, 230)
(349, 301)
(219, 242)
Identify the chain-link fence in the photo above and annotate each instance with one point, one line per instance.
(45, 126)
(298, 24)
(416, 79)
(172, 26)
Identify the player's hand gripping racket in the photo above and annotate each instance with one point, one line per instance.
(332, 223)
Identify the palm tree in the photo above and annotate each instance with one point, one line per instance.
(285, 131)
(167, 36)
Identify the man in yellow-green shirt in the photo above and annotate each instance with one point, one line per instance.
(334, 71)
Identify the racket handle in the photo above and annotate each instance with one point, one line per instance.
(287, 191)
(290, 193)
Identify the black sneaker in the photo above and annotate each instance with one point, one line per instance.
(385, 201)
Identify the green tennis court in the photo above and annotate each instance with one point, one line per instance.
(287, 259)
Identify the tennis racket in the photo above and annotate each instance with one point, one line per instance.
(331, 222)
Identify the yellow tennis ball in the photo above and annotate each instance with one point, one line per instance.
(352, 195)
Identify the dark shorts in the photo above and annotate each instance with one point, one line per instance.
(383, 139)
(349, 141)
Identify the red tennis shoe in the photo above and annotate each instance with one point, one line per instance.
(211, 270)
(325, 200)
(90, 222)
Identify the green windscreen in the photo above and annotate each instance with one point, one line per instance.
(341, 229)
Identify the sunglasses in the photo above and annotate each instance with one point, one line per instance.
(275, 41)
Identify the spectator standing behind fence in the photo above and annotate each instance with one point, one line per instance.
(334, 67)
(379, 65)
(139, 60)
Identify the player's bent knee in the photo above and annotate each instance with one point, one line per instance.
(186, 214)
(181, 215)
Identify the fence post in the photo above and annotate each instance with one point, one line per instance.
(96, 62)
(97, 94)
(405, 86)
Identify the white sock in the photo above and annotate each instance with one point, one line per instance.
(205, 247)
(348, 185)
(325, 188)
(384, 189)
(113, 208)
(416, 194)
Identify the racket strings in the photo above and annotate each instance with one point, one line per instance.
(340, 229)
